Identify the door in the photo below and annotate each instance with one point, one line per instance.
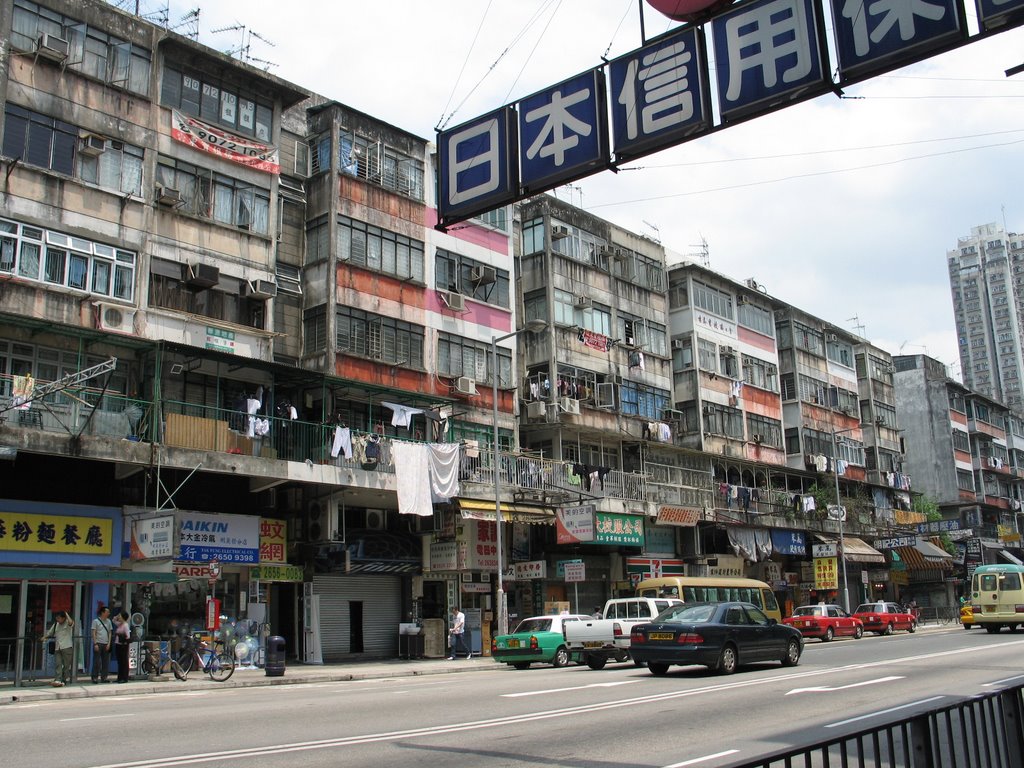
(355, 626)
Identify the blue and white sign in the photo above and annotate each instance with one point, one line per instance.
(227, 538)
(873, 36)
(659, 95)
(563, 133)
(995, 14)
(789, 543)
(768, 54)
(477, 166)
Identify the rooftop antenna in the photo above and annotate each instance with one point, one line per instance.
(703, 256)
(242, 51)
(190, 23)
(657, 232)
(858, 326)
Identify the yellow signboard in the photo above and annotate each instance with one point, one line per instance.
(826, 573)
(272, 540)
(66, 534)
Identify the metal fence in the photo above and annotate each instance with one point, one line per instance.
(983, 731)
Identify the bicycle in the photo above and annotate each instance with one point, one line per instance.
(161, 665)
(197, 653)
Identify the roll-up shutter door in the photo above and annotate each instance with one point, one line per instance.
(381, 597)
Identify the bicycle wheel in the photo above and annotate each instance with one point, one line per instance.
(148, 666)
(185, 660)
(179, 673)
(221, 667)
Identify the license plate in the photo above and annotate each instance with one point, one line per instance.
(593, 644)
(513, 643)
(661, 636)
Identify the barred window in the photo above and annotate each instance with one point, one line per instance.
(379, 338)
(214, 101)
(314, 329)
(378, 249)
(215, 196)
(458, 356)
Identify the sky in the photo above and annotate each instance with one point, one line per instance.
(843, 207)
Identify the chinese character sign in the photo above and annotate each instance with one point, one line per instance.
(874, 35)
(658, 95)
(826, 573)
(273, 541)
(767, 53)
(611, 528)
(534, 569)
(227, 538)
(152, 537)
(574, 524)
(63, 534)
(562, 132)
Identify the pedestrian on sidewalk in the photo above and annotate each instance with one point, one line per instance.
(63, 635)
(122, 636)
(102, 634)
(457, 634)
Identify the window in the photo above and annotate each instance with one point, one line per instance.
(39, 140)
(533, 236)
(808, 339)
(289, 279)
(118, 167)
(320, 155)
(763, 430)
(457, 356)
(723, 420)
(378, 249)
(760, 374)
(728, 363)
(454, 272)
(577, 244)
(965, 480)
(314, 329)
(707, 355)
(839, 351)
(678, 296)
(712, 300)
(379, 338)
(682, 354)
(496, 218)
(757, 319)
(641, 400)
(636, 331)
(93, 52)
(53, 257)
(216, 197)
(211, 100)
(378, 163)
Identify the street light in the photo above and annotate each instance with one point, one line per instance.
(839, 513)
(532, 326)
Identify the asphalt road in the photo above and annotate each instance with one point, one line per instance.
(573, 717)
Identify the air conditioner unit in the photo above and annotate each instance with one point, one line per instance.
(583, 302)
(376, 520)
(454, 301)
(559, 231)
(92, 145)
(758, 438)
(752, 284)
(201, 275)
(570, 405)
(536, 410)
(259, 289)
(707, 410)
(483, 274)
(727, 350)
(113, 317)
(52, 47)
(678, 343)
(831, 337)
(168, 195)
(465, 385)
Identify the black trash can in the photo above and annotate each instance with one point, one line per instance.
(275, 656)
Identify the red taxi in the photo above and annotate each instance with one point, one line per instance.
(885, 618)
(825, 621)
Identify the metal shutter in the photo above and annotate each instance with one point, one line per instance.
(382, 610)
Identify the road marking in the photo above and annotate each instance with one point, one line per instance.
(825, 688)
(1004, 680)
(884, 712)
(704, 759)
(562, 690)
(95, 717)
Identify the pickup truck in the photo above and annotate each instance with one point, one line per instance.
(595, 641)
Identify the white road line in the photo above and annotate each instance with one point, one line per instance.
(1004, 680)
(704, 759)
(562, 690)
(94, 717)
(827, 689)
(884, 712)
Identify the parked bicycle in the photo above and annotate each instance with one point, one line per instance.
(196, 653)
(160, 665)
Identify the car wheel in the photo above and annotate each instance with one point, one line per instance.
(967, 626)
(658, 670)
(522, 665)
(992, 628)
(637, 663)
(596, 662)
(858, 633)
(621, 656)
(888, 629)
(829, 634)
(792, 657)
(561, 658)
(912, 628)
(1014, 627)
(727, 661)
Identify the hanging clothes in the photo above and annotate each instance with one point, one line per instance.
(401, 414)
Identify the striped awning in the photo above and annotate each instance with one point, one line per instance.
(925, 556)
(856, 550)
(512, 512)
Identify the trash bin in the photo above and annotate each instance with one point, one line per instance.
(275, 656)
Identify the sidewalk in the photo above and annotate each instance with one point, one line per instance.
(246, 677)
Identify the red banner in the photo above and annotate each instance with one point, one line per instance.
(206, 138)
(593, 340)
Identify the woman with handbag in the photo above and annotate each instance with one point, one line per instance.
(62, 636)
(122, 636)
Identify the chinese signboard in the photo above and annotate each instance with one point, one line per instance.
(444, 556)
(895, 541)
(618, 529)
(768, 54)
(152, 537)
(263, 572)
(220, 339)
(575, 572)
(477, 545)
(659, 539)
(938, 526)
(824, 550)
(535, 569)
(726, 565)
(682, 516)
(206, 138)
(227, 538)
(575, 524)
(273, 540)
(64, 534)
(789, 543)
(826, 573)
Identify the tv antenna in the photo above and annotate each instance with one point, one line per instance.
(703, 256)
(657, 232)
(244, 48)
(858, 326)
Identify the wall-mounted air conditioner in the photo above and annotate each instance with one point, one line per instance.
(454, 301)
(559, 231)
(376, 520)
(536, 410)
(678, 343)
(113, 317)
(92, 145)
(727, 350)
(259, 289)
(831, 337)
(323, 521)
(583, 302)
(52, 47)
(707, 410)
(570, 405)
(168, 195)
(465, 385)
(201, 275)
(757, 438)
(483, 274)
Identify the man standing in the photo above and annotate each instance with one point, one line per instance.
(457, 632)
(102, 633)
(62, 633)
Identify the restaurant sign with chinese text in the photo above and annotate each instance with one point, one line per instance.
(64, 534)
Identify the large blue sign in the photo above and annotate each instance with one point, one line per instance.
(994, 14)
(563, 132)
(768, 54)
(658, 94)
(872, 36)
(477, 166)
(789, 543)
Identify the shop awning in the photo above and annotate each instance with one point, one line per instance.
(35, 573)
(1010, 557)
(475, 509)
(856, 550)
(925, 556)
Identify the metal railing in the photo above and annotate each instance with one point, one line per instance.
(984, 731)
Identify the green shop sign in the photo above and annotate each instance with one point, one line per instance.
(610, 528)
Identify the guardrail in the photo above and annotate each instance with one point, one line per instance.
(983, 731)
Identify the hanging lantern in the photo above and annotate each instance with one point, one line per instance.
(687, 10)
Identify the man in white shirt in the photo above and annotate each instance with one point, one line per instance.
(102, 634)
(457, 633)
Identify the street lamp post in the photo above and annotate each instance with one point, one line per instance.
(532, 326)
(840, 515)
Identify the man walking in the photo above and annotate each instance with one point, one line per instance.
(102, 634)
(63, 635)
(457, 634)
